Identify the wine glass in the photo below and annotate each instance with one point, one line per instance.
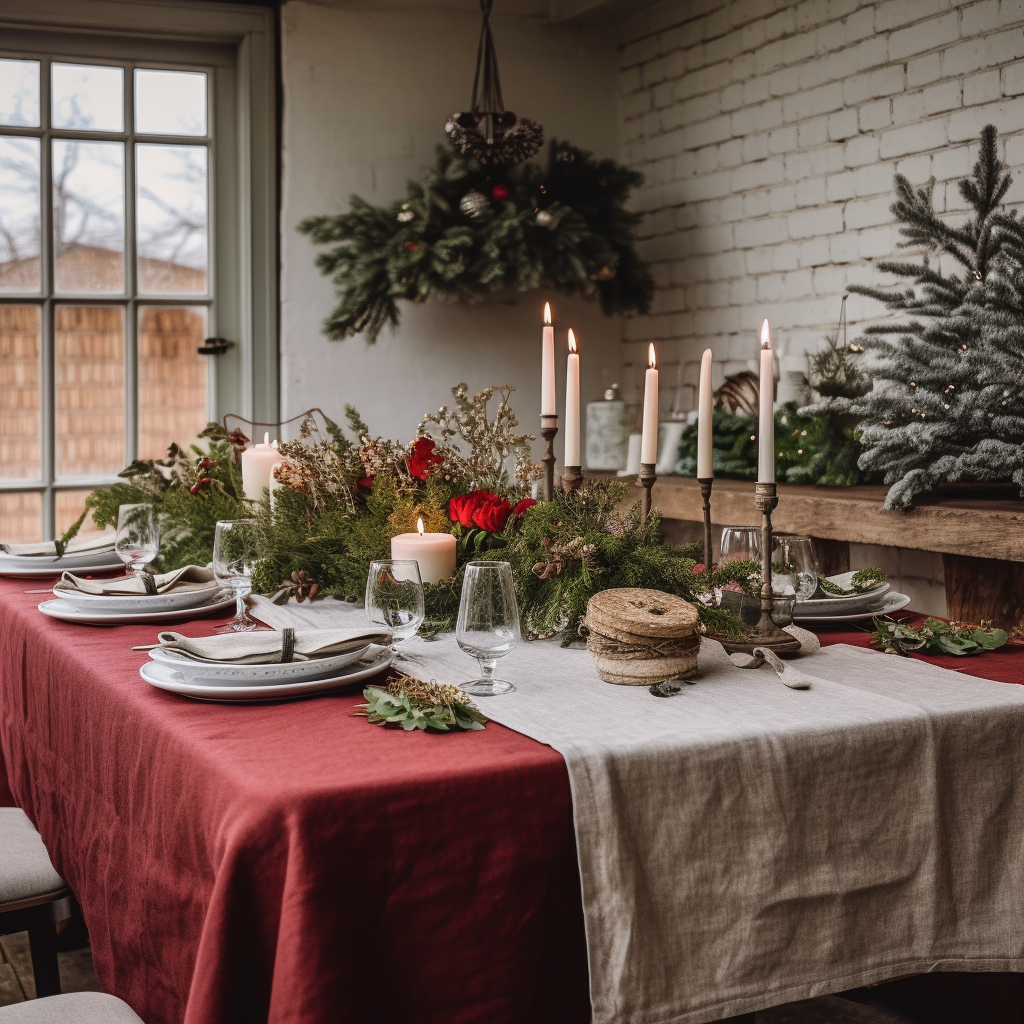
(793, 565)
(137, 541)
(234, 556)
(488, 625)
(394, 597)
(739, 544)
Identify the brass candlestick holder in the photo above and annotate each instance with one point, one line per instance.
(647, 478)
(705, 495)
(548, 430)
(572, 478)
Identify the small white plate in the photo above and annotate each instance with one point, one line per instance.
(223, 674)
(116, 604)
(58, 609)
(893, 603)
(37, 567)
(174, 682)
(842, 605)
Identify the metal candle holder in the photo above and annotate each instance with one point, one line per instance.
(572, 477)
(548, 430)
(705, 494)
(647, 478)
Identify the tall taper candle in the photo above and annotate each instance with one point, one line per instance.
(705, 457)
(572, 404)
(548, 405)
(766, 419)
(649, 438)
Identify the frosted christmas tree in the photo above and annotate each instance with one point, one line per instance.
(947, 402)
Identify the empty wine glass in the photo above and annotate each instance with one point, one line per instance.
(488, 625)
(394, 597)
(137, 541)
(234, 556)
(739, 544)
(793, 565)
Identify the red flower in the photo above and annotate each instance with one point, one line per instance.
(461, 509)
(492, 515)
(423, 458)
(365, 481)
(524, 506)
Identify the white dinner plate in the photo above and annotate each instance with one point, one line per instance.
(58, 609)
(893, 603)
(222, 674)
(116, 604)
(36, 566)
(842, 605)
(173, 681)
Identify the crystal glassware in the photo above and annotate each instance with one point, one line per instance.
(488, 625)
(137, 541)
(794, 568)
(739, 544)
(234, 556)
(394, 597)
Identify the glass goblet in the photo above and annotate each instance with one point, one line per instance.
(234, 557)
(739, 544)
(794, 565)
(394, 597)
(137, 541)
(488, 624)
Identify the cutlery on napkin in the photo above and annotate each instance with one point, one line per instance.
(188, 578)
(267, 647)
(48, 548)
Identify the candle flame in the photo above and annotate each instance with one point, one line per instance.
(572, 341)
(274, 444)
(652, 357)
(547, 312)
(766, 335)
(266, 437)
(419, 526)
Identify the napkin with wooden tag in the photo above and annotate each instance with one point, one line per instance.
(192, 578)
(264, 647)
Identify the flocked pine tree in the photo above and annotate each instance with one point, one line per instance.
(947, 402)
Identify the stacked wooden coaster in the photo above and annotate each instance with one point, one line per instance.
(639, 637)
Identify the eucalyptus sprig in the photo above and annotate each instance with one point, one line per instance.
(414, 704)
(934, 636)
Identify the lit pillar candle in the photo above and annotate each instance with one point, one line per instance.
(548, 405)
(649, 438)
(435, 552)
(705, 403)
(257, 464)
(572, 404)
(766, 419)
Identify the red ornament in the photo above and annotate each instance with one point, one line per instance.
(500, 193)
(411, 246)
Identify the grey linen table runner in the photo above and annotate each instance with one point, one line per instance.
(743, 844)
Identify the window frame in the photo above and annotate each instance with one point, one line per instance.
(241, 296)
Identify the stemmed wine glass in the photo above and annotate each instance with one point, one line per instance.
(488, 624)
(394, 597)
(793, 562)
(234, 556)
(137, 541)
(739, 544)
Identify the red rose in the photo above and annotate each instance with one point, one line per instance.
(422, 459)
(461, 509)
(492, 514)
(524, 506)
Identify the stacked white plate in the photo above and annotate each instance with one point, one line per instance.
(36, 566)
(181, 673)
(827, 611)
(110, 610)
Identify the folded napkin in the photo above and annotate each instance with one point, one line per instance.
(188, 578)
(76, 546)
(265, 647)
(326, 613)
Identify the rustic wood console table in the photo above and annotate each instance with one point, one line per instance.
(981, 542)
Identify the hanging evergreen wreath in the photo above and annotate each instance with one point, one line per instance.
(466, 229)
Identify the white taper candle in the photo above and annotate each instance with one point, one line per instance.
(548, 404)
(572, 404)
(649, 438)
(705, 403)
(766, 418)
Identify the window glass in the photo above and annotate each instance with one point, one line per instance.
(19, 393)
(19, 93)
(170, 102)
(19, 215)
(88, 97)
(68, 507)
(21, 517)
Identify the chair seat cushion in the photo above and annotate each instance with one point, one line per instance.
(25, 868)
(71, 1008)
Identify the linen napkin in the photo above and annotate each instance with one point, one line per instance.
(188, 578)
(76, 546)
(264, 647)
(327, 613)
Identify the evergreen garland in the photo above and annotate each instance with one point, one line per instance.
(466, 229)
(947, 402)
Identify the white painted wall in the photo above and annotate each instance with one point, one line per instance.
(366, 92)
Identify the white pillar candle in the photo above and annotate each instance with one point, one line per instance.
(766, 418)
(548, 405)
(435, 552)
(257, 463)
(705, 403)
(649, 437)
(274, 484)
(572, 404)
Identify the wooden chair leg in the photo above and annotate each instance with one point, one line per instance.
(42, 941)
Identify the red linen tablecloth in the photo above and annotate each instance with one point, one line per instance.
(290, 863)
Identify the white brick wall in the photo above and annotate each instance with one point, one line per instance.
(769, 132)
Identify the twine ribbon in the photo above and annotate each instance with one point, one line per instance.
(643, 648)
